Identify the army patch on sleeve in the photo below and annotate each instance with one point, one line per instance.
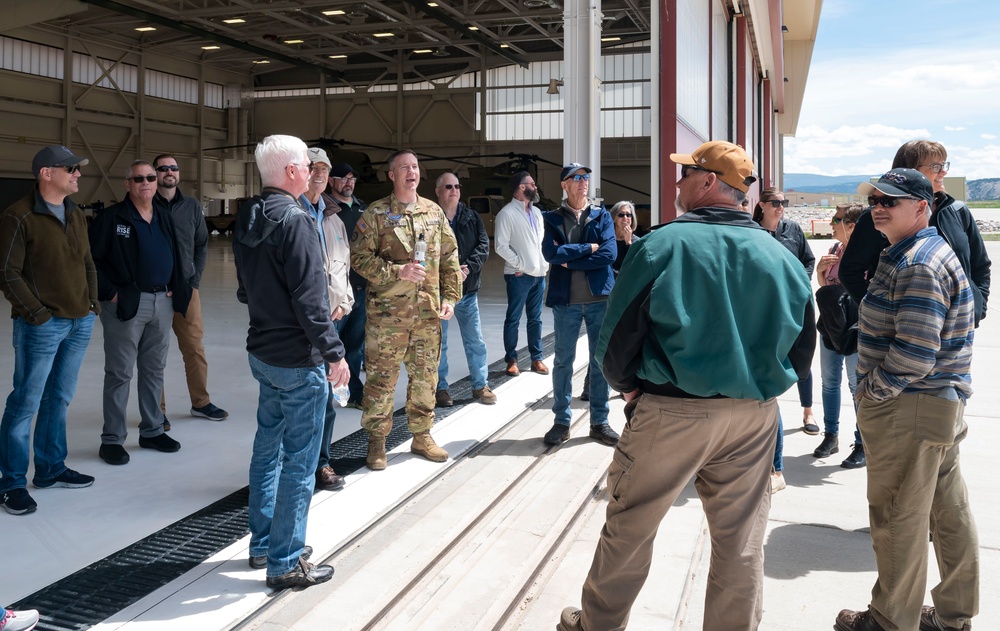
(361, 225)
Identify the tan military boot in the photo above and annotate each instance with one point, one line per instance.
(424, 445)
(376, 453)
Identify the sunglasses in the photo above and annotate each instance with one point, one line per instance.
(168, 167)
(71, 170)
(777, 203)
(839, 220)
(140, 178)
(937, 167)
(449, 187)
(885, 201)
(688, 168)
(579, 177)
(624, 214)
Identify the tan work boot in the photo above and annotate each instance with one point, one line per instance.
(376, 453)
(484, 395)
(424, 445)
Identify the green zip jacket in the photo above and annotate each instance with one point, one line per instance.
(709, 305)
(45, 267)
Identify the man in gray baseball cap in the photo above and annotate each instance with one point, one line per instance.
(56, 156)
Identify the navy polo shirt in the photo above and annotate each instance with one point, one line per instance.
(156, 260)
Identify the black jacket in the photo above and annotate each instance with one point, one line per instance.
(790, 235)
(279, 267)
(190, 231)
(953, 221)
(115, 249)
(473, 246)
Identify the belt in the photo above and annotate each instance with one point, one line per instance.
(155, 289)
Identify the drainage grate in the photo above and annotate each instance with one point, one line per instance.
(102, 589)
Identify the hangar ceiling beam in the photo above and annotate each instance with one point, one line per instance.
(462, 28)
(18, 13)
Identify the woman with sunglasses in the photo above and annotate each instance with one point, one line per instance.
(770, 214)
(834, 357)
(623, 214)
(951, 217)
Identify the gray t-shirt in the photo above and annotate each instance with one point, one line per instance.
(58, 210)
(575, 229)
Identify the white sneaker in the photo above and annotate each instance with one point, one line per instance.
(19, 620)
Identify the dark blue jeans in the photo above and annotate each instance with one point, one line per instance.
(523, 292)
(352, 334)
(567, 320)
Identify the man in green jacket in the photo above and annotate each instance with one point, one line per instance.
(48, 275)
(710, 319)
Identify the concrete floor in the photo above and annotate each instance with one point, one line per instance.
(818, 552)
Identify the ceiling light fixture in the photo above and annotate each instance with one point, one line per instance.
(211, 47)
(611, 39)
(423, 51)
(535, 4)
(554, 85)
(146, 29)
(432, 4)
(261, 61)
(384, 34)
(504, 45)
(441, 52)
(333, 12)
(294, 41)
(338, 56)
(473, 28)
(234, 21)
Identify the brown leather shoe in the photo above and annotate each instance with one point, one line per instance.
(512, 368)
(538, 366)
(484, 395)
(930, 622)
(326, 478)
(442, 399)
(848, 620)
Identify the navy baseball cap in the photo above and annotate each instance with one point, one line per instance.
(901, 183)
(342, 170)
(56, 156)
(572, 168)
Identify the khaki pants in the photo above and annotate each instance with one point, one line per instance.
(189, 332)
(727, 446)
(915, 485)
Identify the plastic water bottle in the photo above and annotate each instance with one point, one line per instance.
(341, 394)
(420, 252)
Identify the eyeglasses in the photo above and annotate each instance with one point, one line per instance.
(578, 177)
(885, 201)
(304, 166)
(777, 203)
(163, 168)
(456, 187)
(840, 220)
(71, 170)
(624, 214)
(687, 168)
(937, 167)
(141, 178)
(347, 179)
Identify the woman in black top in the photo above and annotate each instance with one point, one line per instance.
(623, 214)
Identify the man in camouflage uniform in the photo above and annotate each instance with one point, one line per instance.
(406, 302)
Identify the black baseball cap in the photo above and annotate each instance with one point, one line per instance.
(56, 156)
(572, 168)
(342, 169)
(901, 183)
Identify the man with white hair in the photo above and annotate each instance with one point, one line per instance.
(294, 351)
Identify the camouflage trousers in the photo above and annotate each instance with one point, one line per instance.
(400, 336)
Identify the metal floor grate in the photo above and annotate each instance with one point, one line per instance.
(102, 589)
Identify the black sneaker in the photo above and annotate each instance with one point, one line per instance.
(604, 434)
(856, 460)
(113, 454)
(260, 562)
(211, 412)
(558, 434)
(305, 574)
(162, 443)
(830, 445)
(68, 479)
(18, 502)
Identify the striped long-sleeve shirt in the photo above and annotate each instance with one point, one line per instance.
(916, 322)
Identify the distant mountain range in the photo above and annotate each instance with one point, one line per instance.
(985, 189)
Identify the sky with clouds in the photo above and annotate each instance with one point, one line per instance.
(887, 71)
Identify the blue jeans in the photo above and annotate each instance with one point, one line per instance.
(282, 469)
(352, 334)
(523, 292)
(832, 366)
(47, 360)
(467, 315)
(779, 448)
(805, 388)
(566, 324)
(330, 417)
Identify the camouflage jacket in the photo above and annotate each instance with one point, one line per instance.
(384, 240)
